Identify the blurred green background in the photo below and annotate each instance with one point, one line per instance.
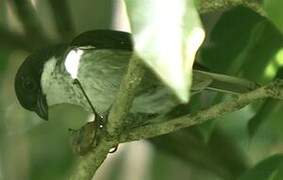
(239, 42)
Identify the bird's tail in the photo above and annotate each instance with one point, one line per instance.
(222, 83)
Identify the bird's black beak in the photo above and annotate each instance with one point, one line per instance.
(41, 108)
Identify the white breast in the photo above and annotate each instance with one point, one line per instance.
(72, 62)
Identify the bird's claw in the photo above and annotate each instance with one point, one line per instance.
(84, 138)
(87, 136)
(113, 149)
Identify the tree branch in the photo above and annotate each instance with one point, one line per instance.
(272, 90)
(89, 163)
(30, 23)
(206, 6)
(114, 134)
(125, 96)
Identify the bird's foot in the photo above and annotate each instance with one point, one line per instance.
(85, 138)
(114, 149)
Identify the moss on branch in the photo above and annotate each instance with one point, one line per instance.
(207, 6)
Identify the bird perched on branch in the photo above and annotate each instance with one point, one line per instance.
(88, 71)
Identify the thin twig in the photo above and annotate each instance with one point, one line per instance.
(207, 6)
(273, 90)
(89, 164)
(255, 5)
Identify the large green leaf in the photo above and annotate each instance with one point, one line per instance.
(254, 42)
(274, 12)
(266, 111)
(227, 44)
(167, 35)
(279, 173)
(263, 46)
(262, 55)
(265, 169)
(228, 40)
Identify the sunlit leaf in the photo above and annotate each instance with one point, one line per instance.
(274, 12)
(263, 46)
(167, 35)
(265, 169)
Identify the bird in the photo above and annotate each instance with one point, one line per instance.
(100, 59)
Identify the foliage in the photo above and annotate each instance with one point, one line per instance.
(243, 39)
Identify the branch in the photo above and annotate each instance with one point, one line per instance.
(89, 163)
(30, 23)
(256, 6)
(62, 17)
(114, 133)
(207, 6)
(125, 96)
(272, 90)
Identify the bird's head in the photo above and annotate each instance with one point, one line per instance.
(28, 81)
(28, 87)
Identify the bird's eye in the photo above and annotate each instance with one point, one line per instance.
(29, 85)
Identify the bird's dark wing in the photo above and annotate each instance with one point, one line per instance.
(103, 39)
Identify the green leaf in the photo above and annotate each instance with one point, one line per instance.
(228, 39)
(268, 108)
(225, 51)
(261, 53)
(274, 12)
(257, 47)
(279, 173)
(167, 35)
(262, 115)
(265, 169)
